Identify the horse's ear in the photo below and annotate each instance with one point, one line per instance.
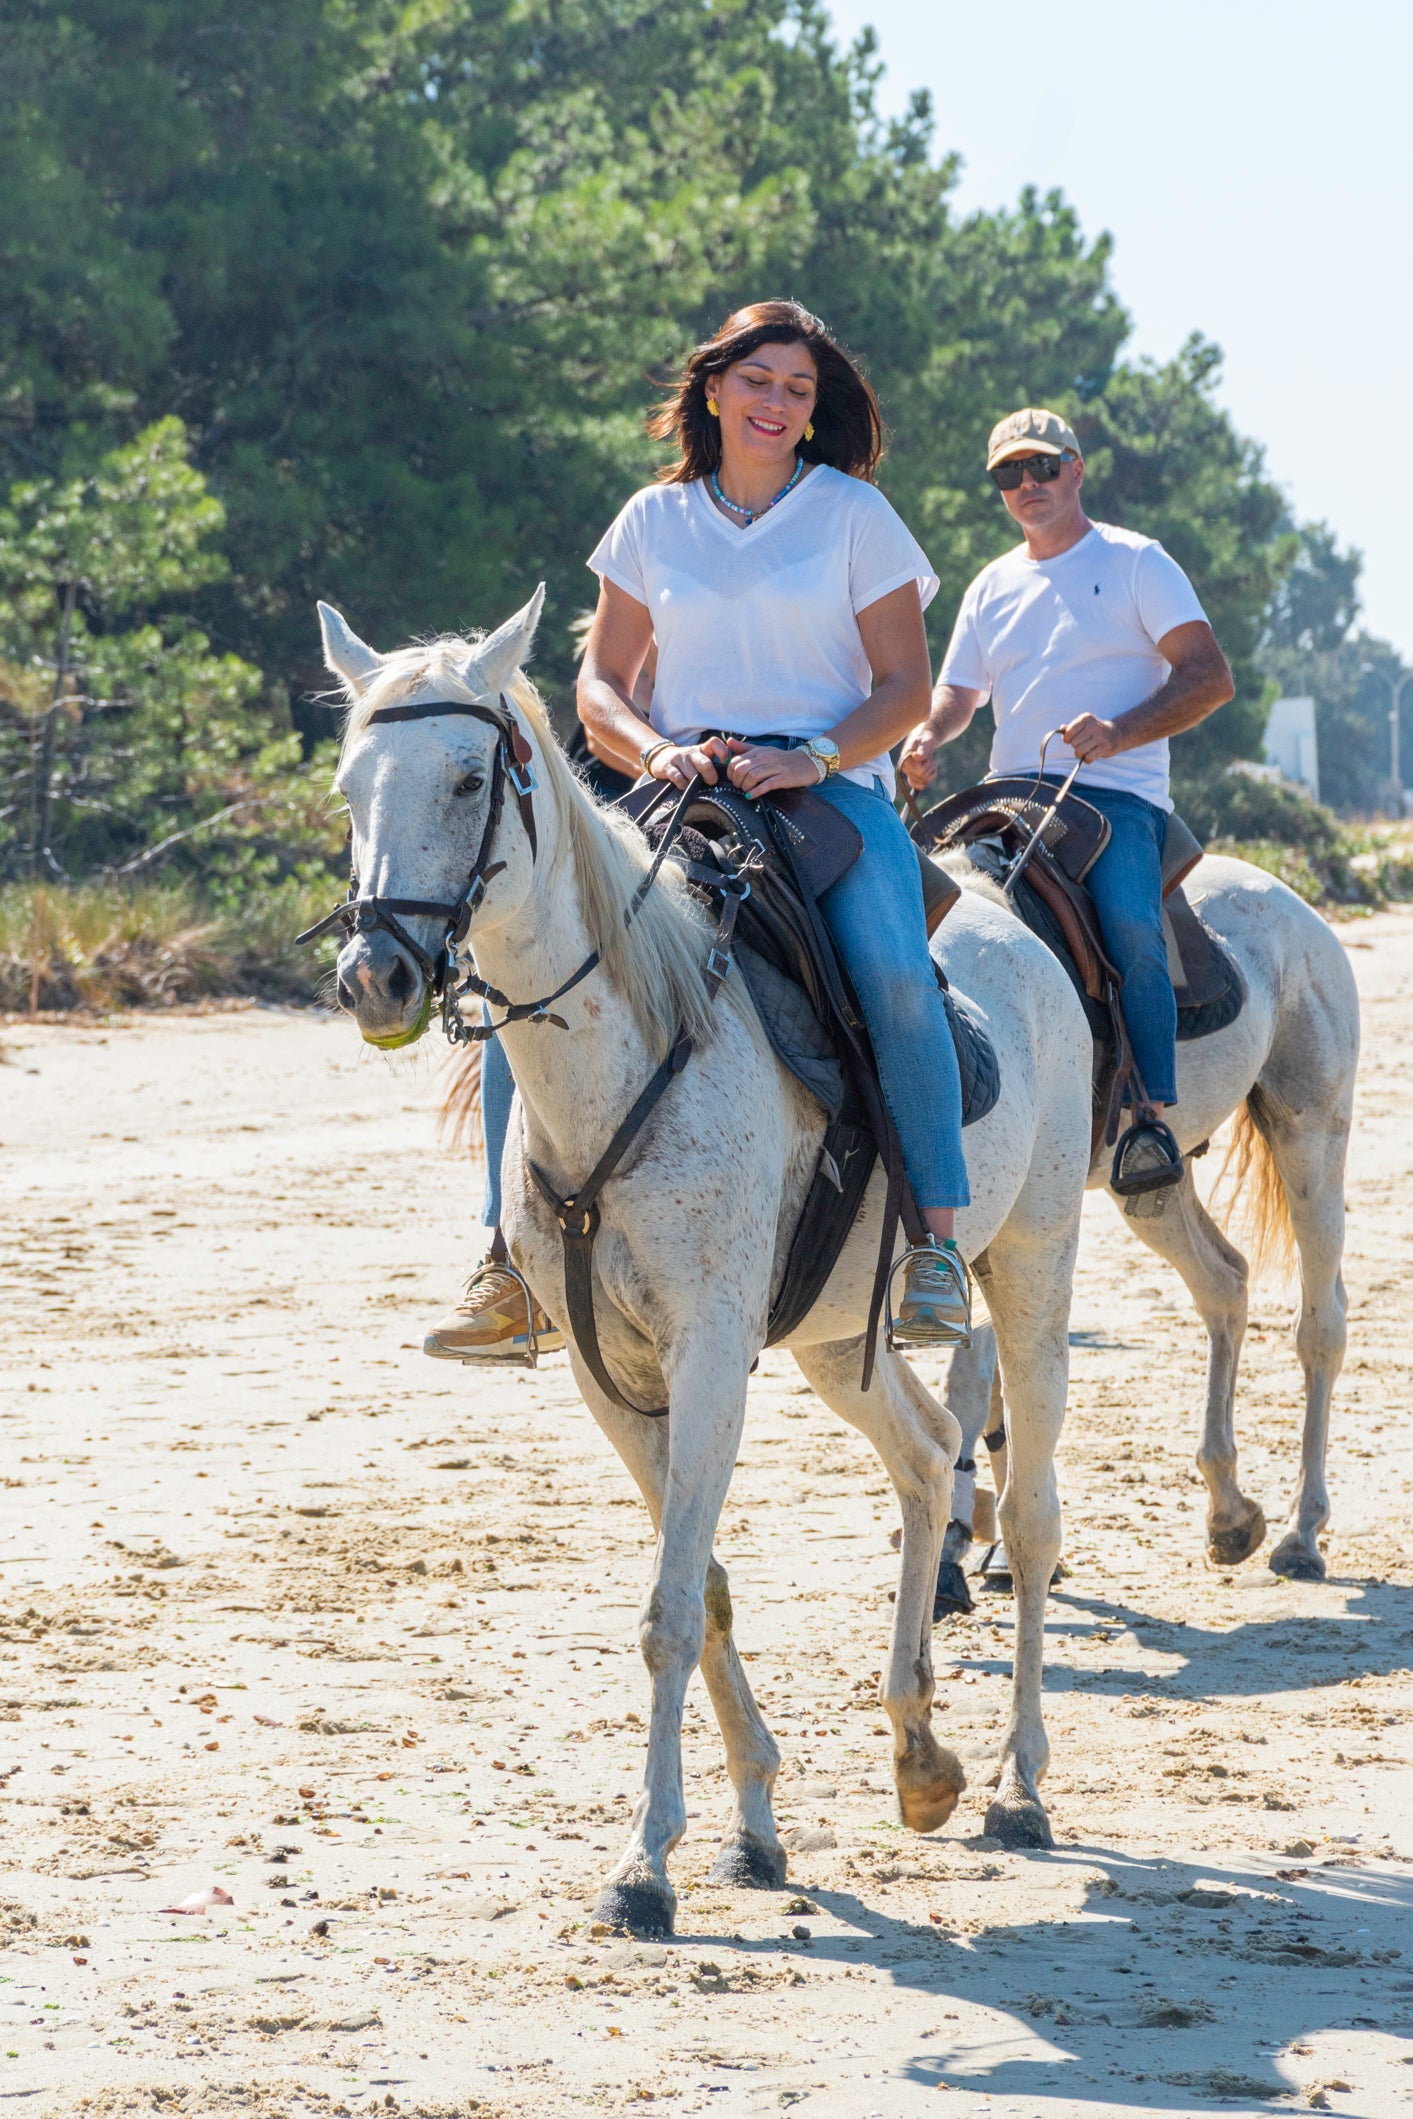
(344, 653)
(507, 649)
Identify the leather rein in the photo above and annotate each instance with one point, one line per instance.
(577, 1212)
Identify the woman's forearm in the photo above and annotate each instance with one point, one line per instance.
(618, 730)
(888, 714)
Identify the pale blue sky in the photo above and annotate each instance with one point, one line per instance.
(1254, 164)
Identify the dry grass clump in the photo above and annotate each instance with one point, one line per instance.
(100, 946)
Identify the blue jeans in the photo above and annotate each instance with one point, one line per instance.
(875, 915)
(497, 1089)
(1126, 883)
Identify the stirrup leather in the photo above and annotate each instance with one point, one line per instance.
(531, 1356)
(930, 1250)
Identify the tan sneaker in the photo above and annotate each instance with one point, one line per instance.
(497, 1319)
(936, 1305)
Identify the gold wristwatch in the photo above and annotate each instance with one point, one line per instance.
(825, 752)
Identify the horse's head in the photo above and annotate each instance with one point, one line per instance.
(423, 790)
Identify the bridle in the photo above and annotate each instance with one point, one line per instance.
(360, 914)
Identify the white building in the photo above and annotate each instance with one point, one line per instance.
(1291, 745)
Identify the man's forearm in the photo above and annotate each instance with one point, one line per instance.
(951, 712)
(1187, 696)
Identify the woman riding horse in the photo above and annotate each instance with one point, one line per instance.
(785, 598)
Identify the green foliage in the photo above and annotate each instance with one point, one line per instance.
(406, 272)
(1237, 805)
(122, 731)
(365, 300)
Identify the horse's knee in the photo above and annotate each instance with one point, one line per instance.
(672, 1632)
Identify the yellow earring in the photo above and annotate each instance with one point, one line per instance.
(714, 408)
(809, 430)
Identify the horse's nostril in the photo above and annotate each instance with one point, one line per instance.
(345, 994)
(400, 982)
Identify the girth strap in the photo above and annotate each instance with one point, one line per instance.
(578, 1216)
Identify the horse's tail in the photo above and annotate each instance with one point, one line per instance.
(1252, 1181)
(459, 1122)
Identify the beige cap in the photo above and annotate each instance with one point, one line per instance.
(1030, 432)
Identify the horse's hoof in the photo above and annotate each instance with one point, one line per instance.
(1228, 1548)
(645, 1910)
(748, 1864)
(1296, 1561)
(1019, 1822)
(929, 1781)
(953, 1598)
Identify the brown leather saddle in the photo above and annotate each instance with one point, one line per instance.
(993, 823)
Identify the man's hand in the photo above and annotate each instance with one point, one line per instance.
(918, 761)
(1090, 738)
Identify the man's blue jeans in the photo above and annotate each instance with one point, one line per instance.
(1126, 883)
(875, 914)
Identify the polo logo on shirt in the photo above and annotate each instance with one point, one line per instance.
(1096, 588)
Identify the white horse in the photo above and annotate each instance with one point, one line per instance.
(697, 1223)
(1286, 1068)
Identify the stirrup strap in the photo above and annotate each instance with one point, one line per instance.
(578, 1216)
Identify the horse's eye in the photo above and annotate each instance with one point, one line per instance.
(471, 784)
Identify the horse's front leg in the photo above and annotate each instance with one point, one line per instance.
(751, 1855)
(917, 1440)
(1028, 1287)
(706, 1371)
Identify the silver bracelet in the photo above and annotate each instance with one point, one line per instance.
(650, 751)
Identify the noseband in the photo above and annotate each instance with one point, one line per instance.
(365, 915)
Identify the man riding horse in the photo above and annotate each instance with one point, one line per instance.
(1094, 632)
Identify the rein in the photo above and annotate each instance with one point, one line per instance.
(578, 1212)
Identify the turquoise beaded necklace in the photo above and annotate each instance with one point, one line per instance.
(751, 515)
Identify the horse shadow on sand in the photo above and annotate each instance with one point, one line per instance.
(1372, 1636)
(1172, 1988)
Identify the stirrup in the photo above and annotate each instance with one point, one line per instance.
(1128, 1184)
(531, 1357)
(930, 1249)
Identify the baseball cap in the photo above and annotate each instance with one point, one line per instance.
(1030, 432)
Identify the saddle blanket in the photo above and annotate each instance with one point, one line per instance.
(801, 1042)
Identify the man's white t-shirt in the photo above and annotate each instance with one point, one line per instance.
(757, 628)
(1049, 639)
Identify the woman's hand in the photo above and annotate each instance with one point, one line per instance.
(760, 769)
(679, 763)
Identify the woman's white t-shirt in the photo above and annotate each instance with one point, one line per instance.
(757, 629)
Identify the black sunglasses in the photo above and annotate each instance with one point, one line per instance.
(1041, 468)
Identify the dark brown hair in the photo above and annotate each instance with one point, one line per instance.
(848, 427)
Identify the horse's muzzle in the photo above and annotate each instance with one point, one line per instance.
(383, 989)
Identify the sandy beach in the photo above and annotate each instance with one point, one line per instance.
(293, 1613)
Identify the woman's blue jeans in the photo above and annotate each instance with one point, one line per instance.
(1126, 883)
(875, 914)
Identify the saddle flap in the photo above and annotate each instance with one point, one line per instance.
(1200, 972)
(1182, 850)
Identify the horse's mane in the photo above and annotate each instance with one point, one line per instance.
(656, 963)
